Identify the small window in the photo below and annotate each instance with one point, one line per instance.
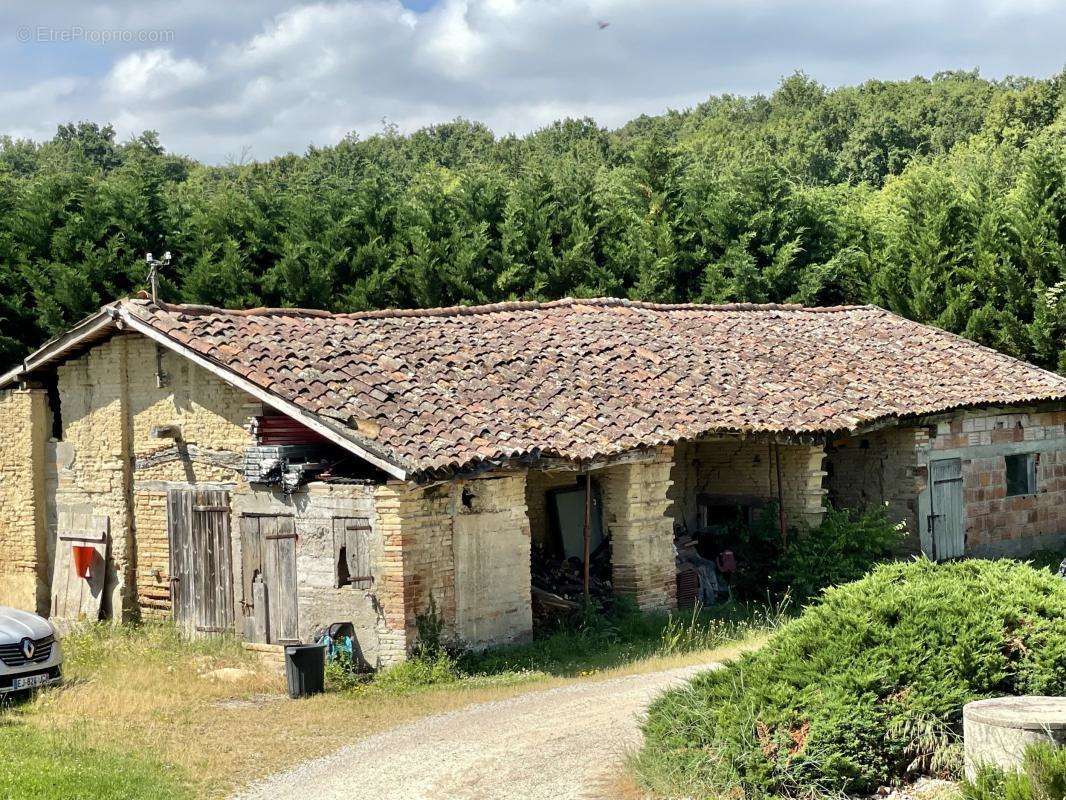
(351, 552)
(1021, 474)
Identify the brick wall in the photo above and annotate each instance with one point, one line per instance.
(112, 465)
(748, 467)
(994, 523)
(468, 558)
(636, 504)
(25, 424)
(95, 478)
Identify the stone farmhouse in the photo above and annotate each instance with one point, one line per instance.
(270, 471)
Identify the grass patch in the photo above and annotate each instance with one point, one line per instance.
(864, 689)
(54, 765)
(172, 731)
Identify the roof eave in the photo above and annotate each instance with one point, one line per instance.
(89, 328)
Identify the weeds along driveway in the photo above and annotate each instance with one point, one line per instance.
(555, 744)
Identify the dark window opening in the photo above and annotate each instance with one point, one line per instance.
(344, 577)
(54, 407)
(1021, 474)
(566, 510)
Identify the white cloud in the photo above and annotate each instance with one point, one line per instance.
(280, 75)
(152, 75)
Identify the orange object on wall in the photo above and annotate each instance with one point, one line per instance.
(83, 559)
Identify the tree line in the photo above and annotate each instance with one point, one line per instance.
(943, 199)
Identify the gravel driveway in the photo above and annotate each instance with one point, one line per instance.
(554, 744)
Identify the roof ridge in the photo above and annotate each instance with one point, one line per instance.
(495, 308)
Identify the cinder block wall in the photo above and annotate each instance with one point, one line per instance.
(996, 524)
(25, 425)
(748, 467)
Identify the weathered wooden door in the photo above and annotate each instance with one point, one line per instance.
(200, 572)
(946, 509)
(268, 565)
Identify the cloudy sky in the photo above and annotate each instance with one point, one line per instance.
(218, 78)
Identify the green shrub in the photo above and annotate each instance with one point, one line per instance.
(864, 688)
(1043, 777)
(419, 672)
(843, 548)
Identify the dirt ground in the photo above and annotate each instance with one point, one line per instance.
(559, 744)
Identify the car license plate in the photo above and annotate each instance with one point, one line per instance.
(29, 682)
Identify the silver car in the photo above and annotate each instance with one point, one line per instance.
(30, 656)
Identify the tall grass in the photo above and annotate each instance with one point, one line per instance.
(590, 642)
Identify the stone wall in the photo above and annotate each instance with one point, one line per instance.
(738, 467)
(994, 523)
(320, 601)
(878, 468)
(25, 425)
(636, 504)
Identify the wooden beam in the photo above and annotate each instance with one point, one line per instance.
(332, 432)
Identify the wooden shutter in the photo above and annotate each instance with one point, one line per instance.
(351, 542)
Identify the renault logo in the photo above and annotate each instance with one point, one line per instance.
(28, 648)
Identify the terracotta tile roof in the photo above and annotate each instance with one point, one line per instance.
(443, 388)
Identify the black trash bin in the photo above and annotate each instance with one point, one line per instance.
(305, 669)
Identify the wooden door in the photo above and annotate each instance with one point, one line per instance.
(946, 509)
(200, 571)
(74, 598)
(268, 565)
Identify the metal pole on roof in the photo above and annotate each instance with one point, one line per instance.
(153, 269)
(585, 530)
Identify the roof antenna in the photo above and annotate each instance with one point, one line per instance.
(153, 268)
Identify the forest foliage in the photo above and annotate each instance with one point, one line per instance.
(943, 199)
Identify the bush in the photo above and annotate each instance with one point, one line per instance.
(866, 687)
(843, 548)
(1043, 777)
